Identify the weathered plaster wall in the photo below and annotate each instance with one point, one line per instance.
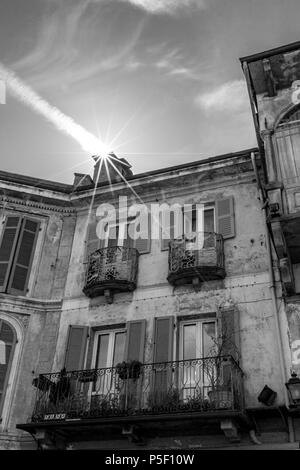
(246, 286)
(39, 323)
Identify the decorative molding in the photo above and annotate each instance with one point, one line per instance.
(23, 303)
(37, 205)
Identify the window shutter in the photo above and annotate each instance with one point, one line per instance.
(23, 258)
(93, 242)
(143, 245)
(163, 339)
(165, 241)
(7, 248)
(225, 217)
(76, 345)
(162, 352)
(135, 340)
(229, 332)
(7, 345)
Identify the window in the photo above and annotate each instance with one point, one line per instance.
(109, 348)
(204, 226)
(7, 346)
(197, 339)
(16, 253)
(117, 235)
(287, 144)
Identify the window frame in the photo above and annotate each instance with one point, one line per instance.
(9, 366)
(111, 345)
(12, 263)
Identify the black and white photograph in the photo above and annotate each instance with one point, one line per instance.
(149, 228)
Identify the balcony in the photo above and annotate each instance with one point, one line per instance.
(195, 259)
(207, 386)
(110, 270)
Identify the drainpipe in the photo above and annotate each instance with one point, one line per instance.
(272, 286)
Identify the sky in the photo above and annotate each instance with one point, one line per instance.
(159, 81)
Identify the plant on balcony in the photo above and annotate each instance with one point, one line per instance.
(129, 369)
(164, 400)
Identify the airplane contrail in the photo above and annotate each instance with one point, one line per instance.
(33, 100)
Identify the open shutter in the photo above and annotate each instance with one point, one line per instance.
(76, 346)
(163, 339)
(229, 331)
(143, 245)
(165, 241)
(7, 248)
(162, 353)
(135, 340)
(228, 338)
(225, 217)
(93, 242)
(7, 345)
(24, 255)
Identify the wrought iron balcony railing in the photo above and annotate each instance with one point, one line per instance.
(198, 256)
(111, 269)
(202, 385)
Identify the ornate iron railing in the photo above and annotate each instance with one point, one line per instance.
(111, 268)
(197, 255)
(207, 384)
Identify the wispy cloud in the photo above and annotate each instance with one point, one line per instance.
(230, 96)
(75, 41)
(166, 6)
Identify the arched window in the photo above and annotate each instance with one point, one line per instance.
(7, 347)
(287, 144)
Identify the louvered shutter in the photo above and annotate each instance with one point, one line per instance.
(23, 257)
(76, 346)
(93, 242)
(165, 241)
(228, 338)
(162, 353)
(143, 245)
(7, 248)
(7, 345)
(225, 217)
(135, 340)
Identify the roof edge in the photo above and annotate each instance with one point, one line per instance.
(277, 50)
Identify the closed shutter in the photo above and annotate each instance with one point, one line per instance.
(76, 346)
(165, 241)
(7, 248)
(143, 245)
(228, 338)
(135, 340)
(23, 258)
(7, 345)
(162, 353)
(225, 217)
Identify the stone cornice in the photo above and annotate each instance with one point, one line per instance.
(25, 203)
(26, 305)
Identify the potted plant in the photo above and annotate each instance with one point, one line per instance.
(129, 369)
(218, 371)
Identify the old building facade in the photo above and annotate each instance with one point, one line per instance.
(115, 343)
(174, 339)
(273, 83)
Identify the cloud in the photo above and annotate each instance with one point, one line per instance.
(230, 96)
(76, 40)
(166, 6)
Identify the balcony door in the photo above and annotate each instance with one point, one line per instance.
(202, 224)
(109, 348)
(197, 340)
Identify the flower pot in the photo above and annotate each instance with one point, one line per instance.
(221, 399)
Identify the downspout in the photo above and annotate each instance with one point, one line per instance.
(272, 286)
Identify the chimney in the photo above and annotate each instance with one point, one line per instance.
(120, 163)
